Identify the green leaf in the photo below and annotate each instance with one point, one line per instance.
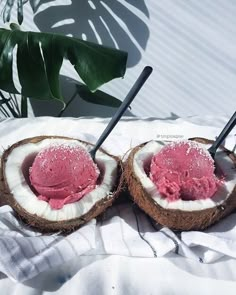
(98, 97)
(40, 57)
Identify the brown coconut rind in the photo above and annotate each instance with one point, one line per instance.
(42, 224)
(174, 218)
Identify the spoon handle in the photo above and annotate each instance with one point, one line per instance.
(229, 126)
(127, 101)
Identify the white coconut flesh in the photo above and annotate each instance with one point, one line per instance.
(143, 158)
(16, 175)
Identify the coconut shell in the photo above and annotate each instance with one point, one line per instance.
(174, 218)
(42, 224)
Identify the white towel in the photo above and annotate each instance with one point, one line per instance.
(124, 229)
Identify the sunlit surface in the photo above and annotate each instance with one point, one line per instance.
(190, 45)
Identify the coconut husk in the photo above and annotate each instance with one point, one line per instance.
(173, 218)
(1, 189)
(42, 224)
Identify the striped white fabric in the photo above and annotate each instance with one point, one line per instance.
(124, 229)
(25, 253)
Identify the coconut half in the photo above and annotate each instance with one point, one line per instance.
(16, 191)
(180, 214)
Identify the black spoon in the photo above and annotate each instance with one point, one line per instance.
(228, 127)
(123, 107)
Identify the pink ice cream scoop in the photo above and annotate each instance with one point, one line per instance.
(184, 170)
(63, 174)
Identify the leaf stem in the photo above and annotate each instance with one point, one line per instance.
(9, 102)
(14, 100)
(5, 111)
(24, 107)
(67, 104)
(11, 109)
(2, 112)
(2, 96)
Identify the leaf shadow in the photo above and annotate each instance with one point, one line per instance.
(111, 23)
(53, 280)
(78, 107)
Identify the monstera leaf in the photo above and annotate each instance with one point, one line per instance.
(39, 58)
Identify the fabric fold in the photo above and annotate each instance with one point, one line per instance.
(25, 254)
